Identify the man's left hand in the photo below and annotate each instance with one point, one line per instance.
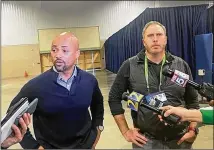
(189, 137)
(97, 138)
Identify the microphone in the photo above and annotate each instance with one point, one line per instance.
(181, 79)
(135, 100)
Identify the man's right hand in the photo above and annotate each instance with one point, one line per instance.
(133, 135)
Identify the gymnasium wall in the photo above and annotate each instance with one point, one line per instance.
(21, 19)
(16, 59)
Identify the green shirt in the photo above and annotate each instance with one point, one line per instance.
(207, 115)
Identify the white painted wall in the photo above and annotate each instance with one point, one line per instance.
(180, 3)
(111, 16)
(21, 19)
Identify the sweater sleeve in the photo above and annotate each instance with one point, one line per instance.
(97, 107)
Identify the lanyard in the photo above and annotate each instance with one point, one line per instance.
(147, 72)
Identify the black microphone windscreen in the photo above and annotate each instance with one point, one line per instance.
(167, 72)
(125, 96)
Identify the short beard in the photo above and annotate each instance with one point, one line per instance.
(153, 52)
(60, 68)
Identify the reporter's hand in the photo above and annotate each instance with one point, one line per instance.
(18, 133)
(179, 111)
(211, 103)
(133, 135)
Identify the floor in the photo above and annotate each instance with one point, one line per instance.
(111, 137)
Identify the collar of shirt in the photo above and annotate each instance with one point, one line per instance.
(70, 79)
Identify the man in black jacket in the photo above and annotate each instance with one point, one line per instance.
(143, 74)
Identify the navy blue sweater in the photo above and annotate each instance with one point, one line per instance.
(62, 118)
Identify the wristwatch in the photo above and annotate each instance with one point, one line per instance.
(193, 129)
(101, 128)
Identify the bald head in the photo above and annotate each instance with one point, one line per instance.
(66, 38)
(65, 51)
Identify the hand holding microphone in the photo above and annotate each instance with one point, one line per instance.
(135, 100)
(168, 110)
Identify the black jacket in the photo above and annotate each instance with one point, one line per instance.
(131, 77)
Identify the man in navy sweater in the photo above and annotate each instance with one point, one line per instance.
(62, 118)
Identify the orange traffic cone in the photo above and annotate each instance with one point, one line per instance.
(25, 74)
